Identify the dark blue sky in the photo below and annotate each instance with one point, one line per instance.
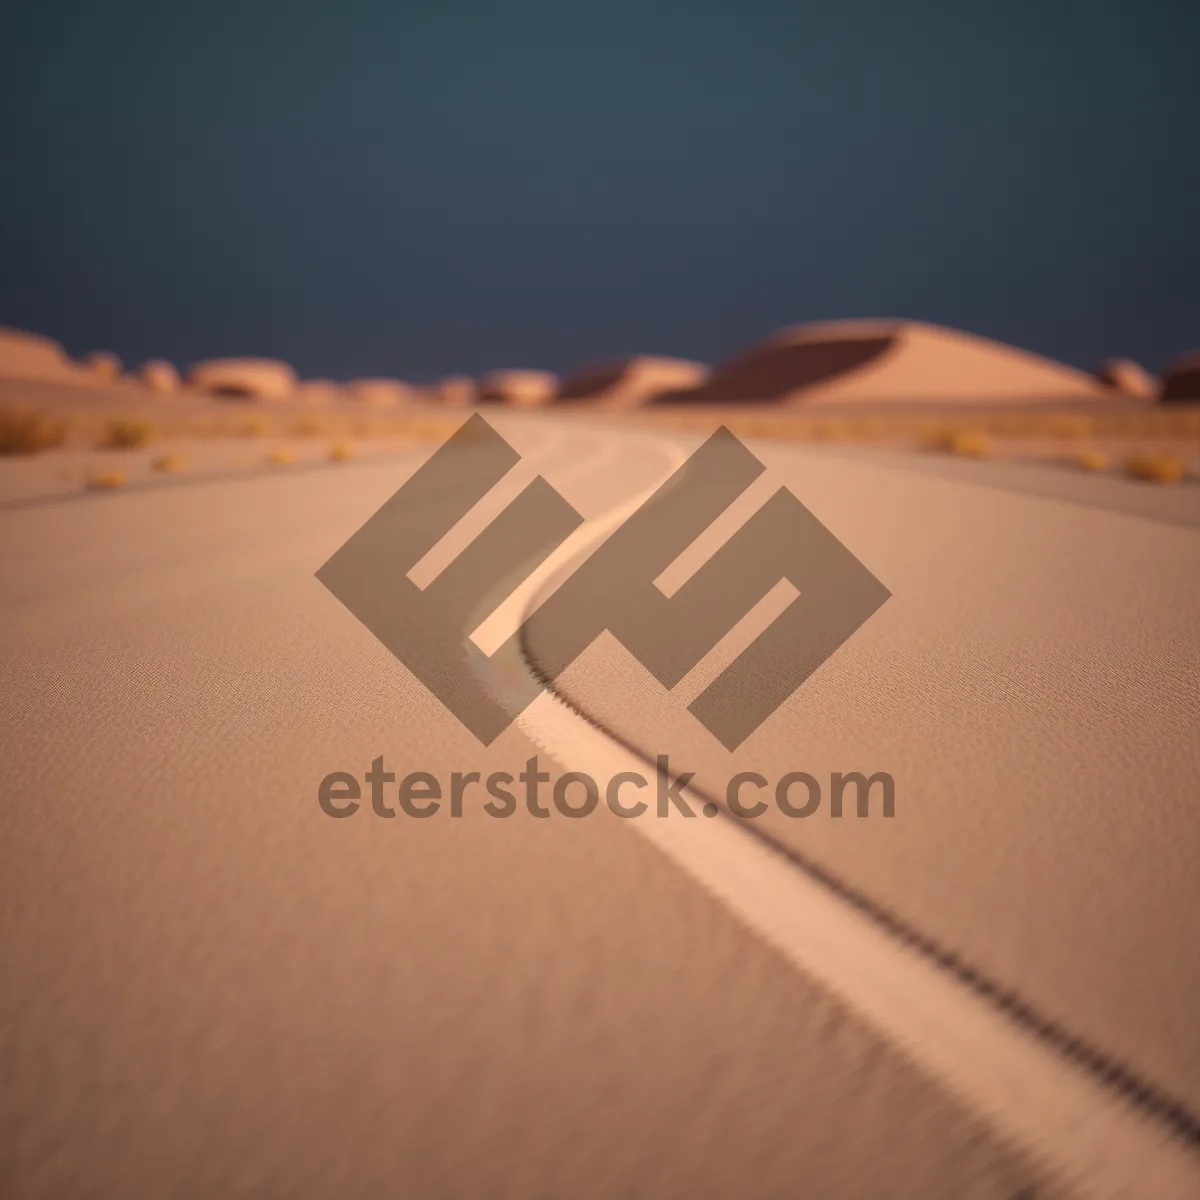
(414, 189)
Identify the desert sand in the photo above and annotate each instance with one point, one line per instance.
(458, 391)
(518, 388)
(1181, 379)
(216, 988)
(843, 362)
(34, 357)
(249, 378)
(160, 376)
(1128, 377)
(630, 382)
(382, 393)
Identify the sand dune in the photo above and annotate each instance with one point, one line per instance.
(159, 376)
(383, 393)
(1128, 377)
(104, 366)
(31, 356)
(521, 389)
(1181, 379)
(244, 378)
(630, 382)
(887, 360)
(455, 390)
(317, 391)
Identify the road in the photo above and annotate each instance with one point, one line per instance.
(215, 989)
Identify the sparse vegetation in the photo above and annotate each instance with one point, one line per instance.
(1155, 468)
(340, 452)
(253, 427)
(966, 443)
(23, 431)
(127, 433)
(1070, 425)
(308, 427)
(1092, 460)
(971, 443)
(103, 481)
(281, 458)
(170, 463)
(939, 431)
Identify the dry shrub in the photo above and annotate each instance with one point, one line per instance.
(971, 444)
(281, 458)
(170, 463)
(1070, 425)
(309, 427)
(104, 481)
(127, 433)
(966, 443)
(340, 452)
(253, 427)
(1155, 468)
(947, 438)
(1092, 460)
(23, 431)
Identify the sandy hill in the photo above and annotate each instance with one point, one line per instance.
(1129, 378)
(244, 378)
(887, 361)
(31, 356)
(380, 392)
(1181, 379)
(630, 382)
(522, 389)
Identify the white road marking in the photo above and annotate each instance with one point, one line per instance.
(1087, 1138)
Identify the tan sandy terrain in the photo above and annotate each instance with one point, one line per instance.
(518, 388)
(630, 382)
(217, 989)
(32, 356)
(251, 378)
(129, 434)
(841, 362)
(1129, 378)
(1030, 687)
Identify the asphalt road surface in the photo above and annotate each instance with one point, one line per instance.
(212, 988)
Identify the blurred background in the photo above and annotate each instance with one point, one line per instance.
(422, 188)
